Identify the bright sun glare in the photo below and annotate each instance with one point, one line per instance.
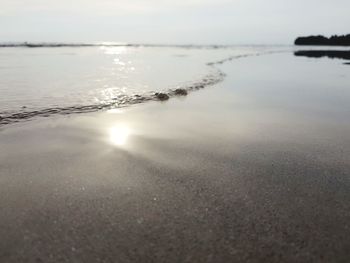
(118, 135)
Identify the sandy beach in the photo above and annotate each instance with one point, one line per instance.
(253, 169)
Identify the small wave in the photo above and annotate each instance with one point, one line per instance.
(57, 45)
(118, 102)
(112, 44)
(128, 100)
(222, 61)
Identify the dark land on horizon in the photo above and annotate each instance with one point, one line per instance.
(343, 40)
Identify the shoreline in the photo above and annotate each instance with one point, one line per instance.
(248, 170)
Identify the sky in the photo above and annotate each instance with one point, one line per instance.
(171, 21)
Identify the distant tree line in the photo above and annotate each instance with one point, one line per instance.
(335, 40)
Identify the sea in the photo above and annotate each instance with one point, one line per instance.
(45, 79)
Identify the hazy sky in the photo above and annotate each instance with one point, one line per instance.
(170, 21)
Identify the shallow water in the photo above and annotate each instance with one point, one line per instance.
(261, 160)
(68, 79)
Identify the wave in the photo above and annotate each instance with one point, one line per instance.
(57, 45)
(118, 102)
(113, 44)
(222, 61)
(127, 100)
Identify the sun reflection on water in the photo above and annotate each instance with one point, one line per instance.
(118, 135)
(115, 50)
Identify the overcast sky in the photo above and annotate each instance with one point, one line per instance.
(172, 21)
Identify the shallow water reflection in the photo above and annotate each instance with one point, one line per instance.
(118, 135)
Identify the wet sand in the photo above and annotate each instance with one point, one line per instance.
(255, 169)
